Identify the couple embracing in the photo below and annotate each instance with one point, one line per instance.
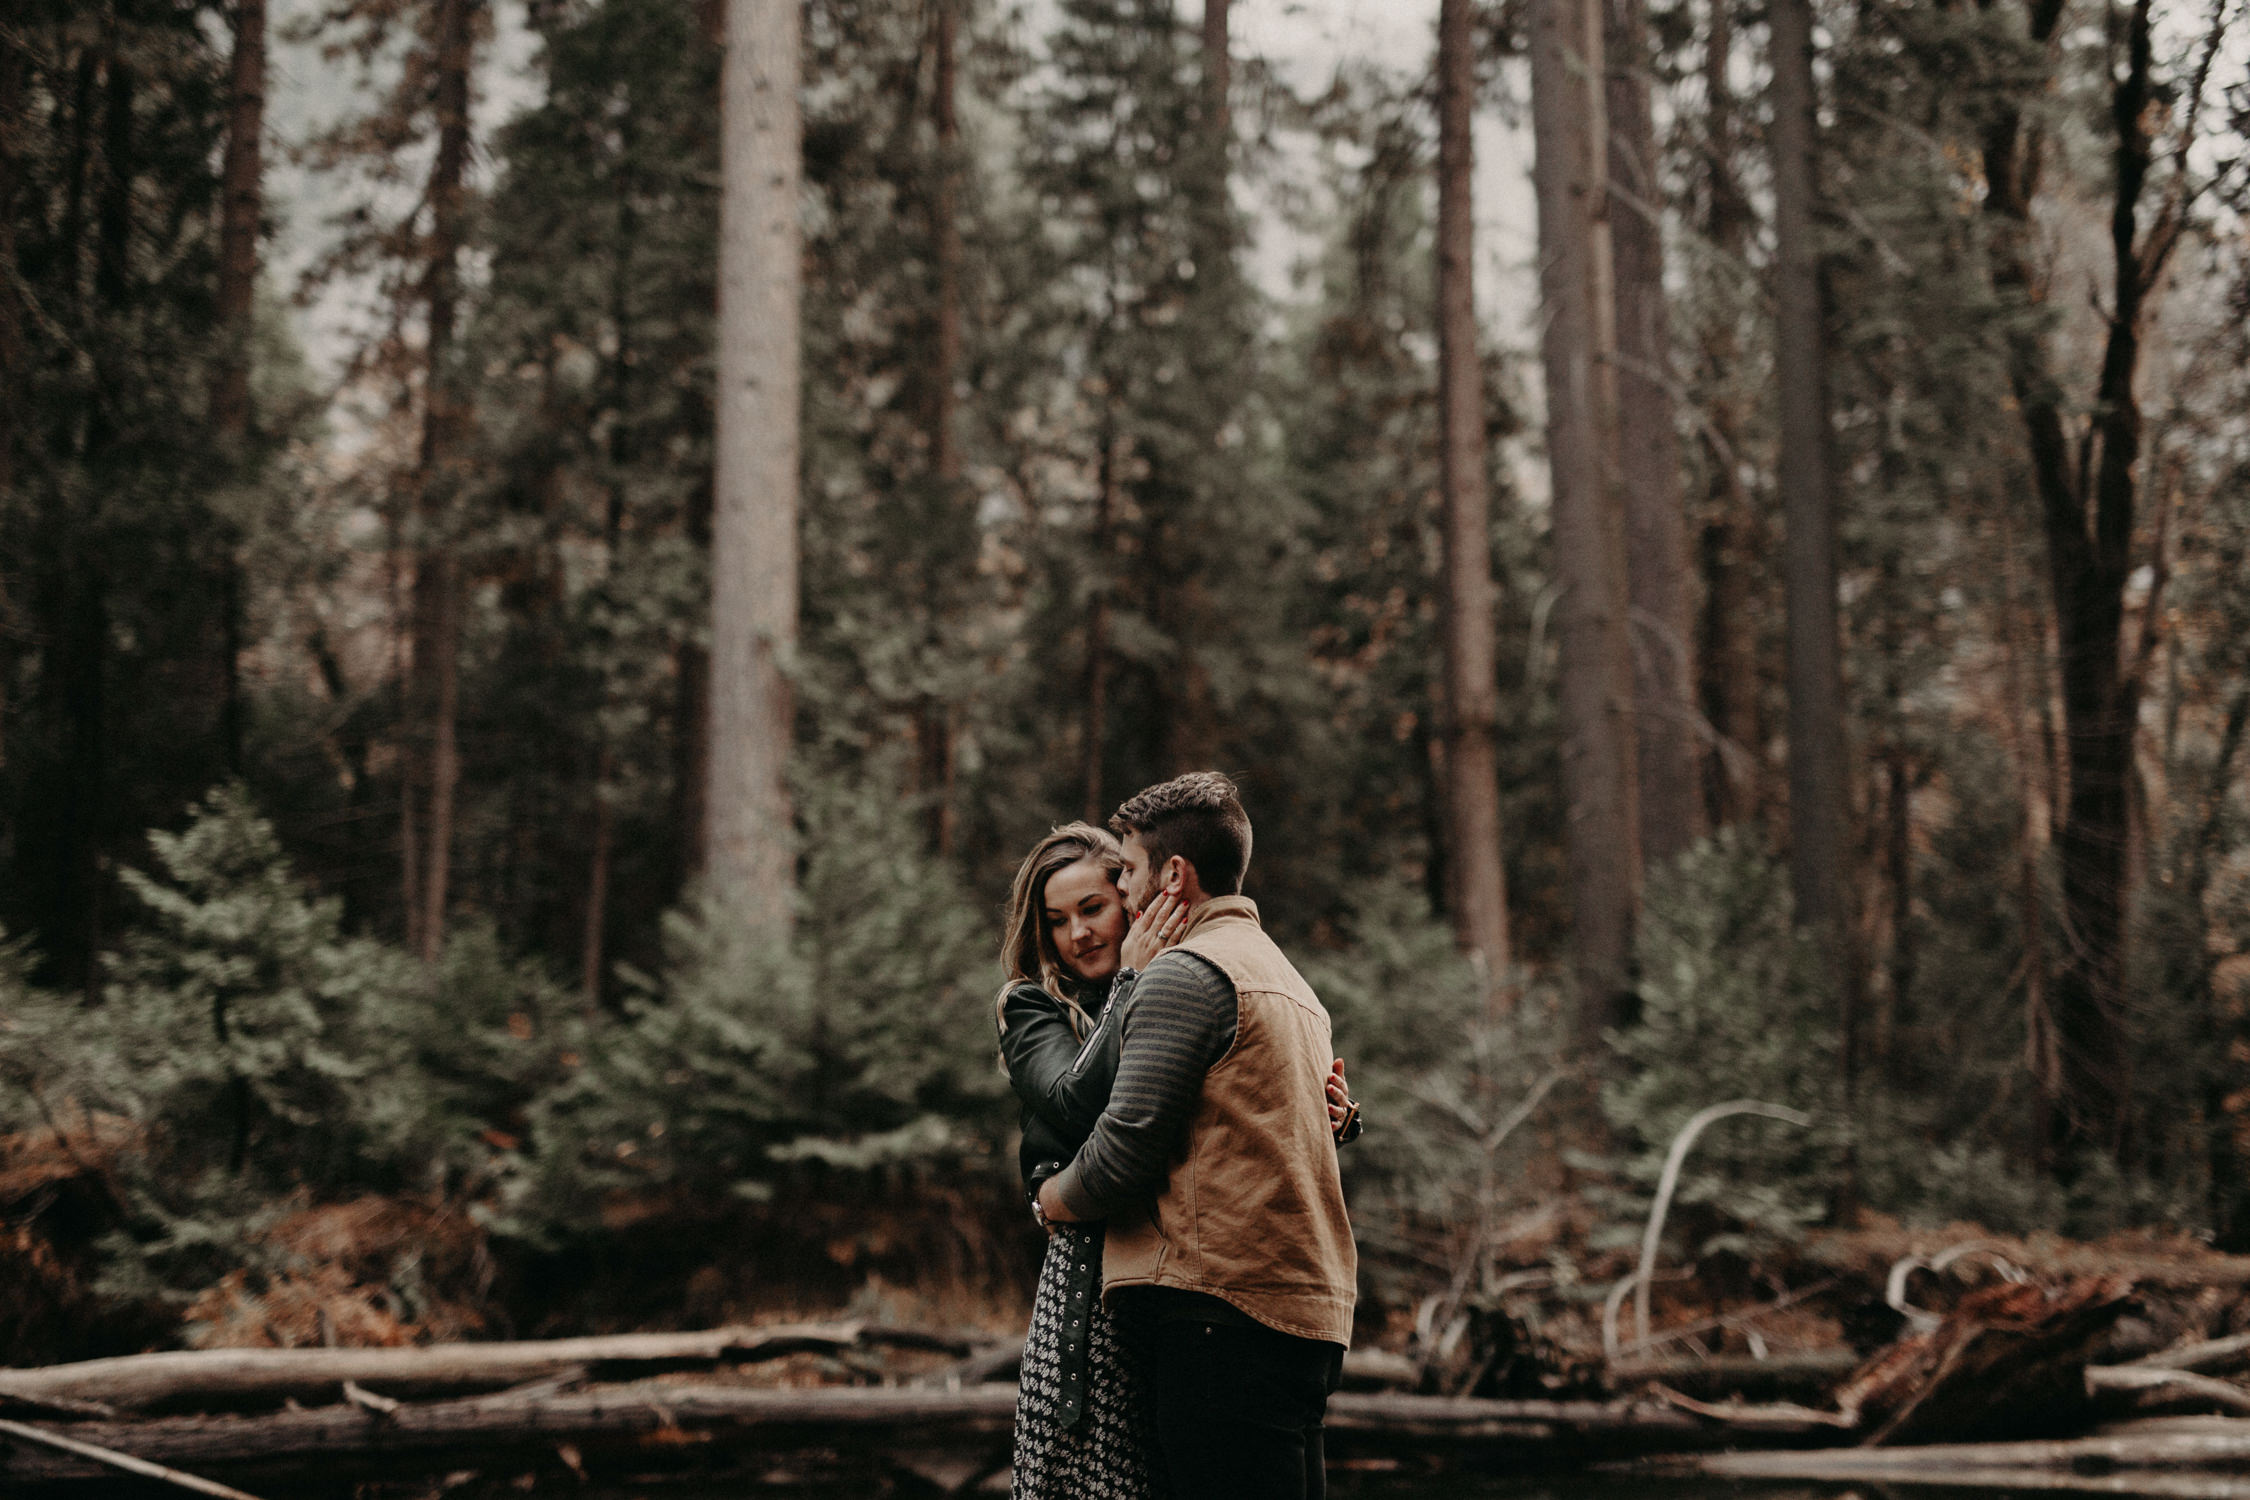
(1181, 1112)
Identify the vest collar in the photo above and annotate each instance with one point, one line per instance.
(1219, 908)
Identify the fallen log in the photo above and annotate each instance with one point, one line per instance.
(1800, 1373)
(646, 1419)
(123, 1463)
(2216, 1446)
(655, 1420)
(1364, 1369)
(231, 1379)
(52, 1406)
(2008, 1362)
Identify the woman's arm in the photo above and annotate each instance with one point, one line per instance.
(1065, 1081)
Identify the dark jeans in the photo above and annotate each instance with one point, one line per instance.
(1238, 1406)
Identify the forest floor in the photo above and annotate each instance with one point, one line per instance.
(1934, 1335)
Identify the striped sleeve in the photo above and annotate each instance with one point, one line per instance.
(1179, 1021)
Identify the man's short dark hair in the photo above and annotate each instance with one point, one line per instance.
(1199, 817)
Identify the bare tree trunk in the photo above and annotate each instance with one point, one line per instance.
(1729, 547)
(945, 441)
(242, 201)
(1898, 860)
(1095, 730)
(11, 320)
(1666, 747)
(1478, 884)
(597, 883)
(2088, 492)
(1218, 70)
(691, 716)
(1817, 788)
(11, 310)
(434, 686)
(2019, 689)
(754, 521)
(1599, 776)
(935, 726)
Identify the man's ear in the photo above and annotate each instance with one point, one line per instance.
(1176, 874)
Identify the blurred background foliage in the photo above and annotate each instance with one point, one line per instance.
(222, 1066)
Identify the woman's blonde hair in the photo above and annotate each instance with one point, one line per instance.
(1027, 947)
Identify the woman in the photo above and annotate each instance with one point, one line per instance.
(1082, 1432)
(1081, 1423)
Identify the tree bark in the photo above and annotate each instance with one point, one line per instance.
(596, 932)
(1600, 779)
(1898, 861)
(1218, 70)
(1666, 746)
(433, 688)
(749, 844)
(242, 201)
(2088, 492)
(1478, 883)
(935, 727)
(945, 237)
(1817, 787)
(11, 326)
(1729, 658)
(113, 214)
(1095, 726)
(11, 309)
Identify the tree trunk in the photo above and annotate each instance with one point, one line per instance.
(1599, 777)
(11, 309)
(242, 199)
(241, 204)
(1478, 884)
(945, 237)
(1729, 545)
(113, 221)
(1666, 746)
(691, 716)
(1095, 731)
(751, 861)
(11, 328)
(1218, 70)
(935, 727)
(2088, 491)
(597, 884)
(1898, 859)
(433, 690)
(1817, 789)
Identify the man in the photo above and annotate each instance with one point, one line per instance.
(1229, 1259)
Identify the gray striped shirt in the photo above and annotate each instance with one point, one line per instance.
(1178, 1022)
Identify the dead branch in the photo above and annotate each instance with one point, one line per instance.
(2151, 1383)
(1994, 1463)
(1670, 1180)
(2206, 1358)
(124, 1463)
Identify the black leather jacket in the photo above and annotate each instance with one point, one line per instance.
(1062, 1079)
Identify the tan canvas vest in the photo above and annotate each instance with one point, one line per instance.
(1253, 1211)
